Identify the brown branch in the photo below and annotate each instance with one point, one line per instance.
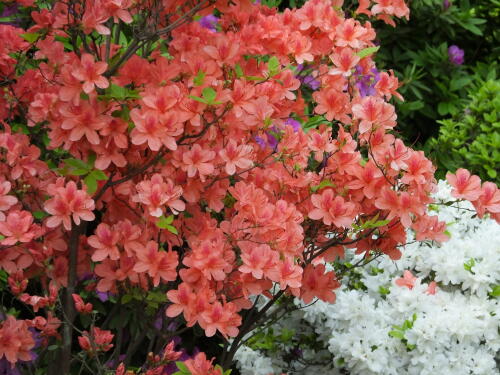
(68, 307)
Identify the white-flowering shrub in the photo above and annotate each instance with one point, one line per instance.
(379, 327)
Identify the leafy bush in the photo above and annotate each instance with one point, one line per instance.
(472, 137)
(418, 51)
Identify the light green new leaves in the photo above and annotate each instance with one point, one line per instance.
(367, 51)
(208, 96)
(166, 223)
(76, 167)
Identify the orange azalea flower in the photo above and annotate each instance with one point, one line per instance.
(101, 340)
(332, 210)
(16, 340)
(90, 73)
(157, 264)
(68, 203)
(465, 185)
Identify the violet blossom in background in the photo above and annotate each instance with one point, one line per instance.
(366, 82)
(7, 12)
(293, 123)
(7, 369)
(456, 55)
(261, 142)
(209, 22)
(308, 79)
(103, 296)
(446, 4)
(271, 141)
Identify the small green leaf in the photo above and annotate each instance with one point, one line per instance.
(99, 175)
(163, 222)
(182, 367)
(172, 229)
(79, 172)
(76, 163)
(273, 66)
(238, 70)
(40, 214)
(495, 291)
(2, 237)
(91, 183)
(30, 37)
(198, 99)
(367, 51)
(91, 159)
(469, 264)
(209, 94)
(199, 78)
(383, 290)
(323, 184)
(52, 347)
(397, 334)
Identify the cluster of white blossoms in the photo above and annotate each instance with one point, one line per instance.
(384, 327)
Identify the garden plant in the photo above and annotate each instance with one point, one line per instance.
(175, 175)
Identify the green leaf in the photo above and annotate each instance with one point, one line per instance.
(367, 51)
(199, 78)
(91, 160)
(273, 66)
(183, 368)
(323, 184)
(79, 172)
(469, 264)
(30, 37)
(495, 291)
(255, 78)
(457, 84)
(76, 163)
(91, 183)
(209, 94)
(40, 214)
(397, 334)
(172, 229)
(163, 222)
(2, 237)
(383, 290)
(238, 70)
(99, 175)
(52, 347)
(198, 99)
(443, 108)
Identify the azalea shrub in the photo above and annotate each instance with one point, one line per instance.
(435, 310)
(177, 169)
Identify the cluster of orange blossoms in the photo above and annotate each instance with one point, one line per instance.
(179, 169)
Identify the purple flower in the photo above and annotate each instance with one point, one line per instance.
(209, 22)
(446, 4)
(272, 141)
(310, 81)
(6, 369)
(103, 296)
(456, 55)
(366, 82)
(261, 142)
(9, 11)
(293, 123)
(307, 79)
